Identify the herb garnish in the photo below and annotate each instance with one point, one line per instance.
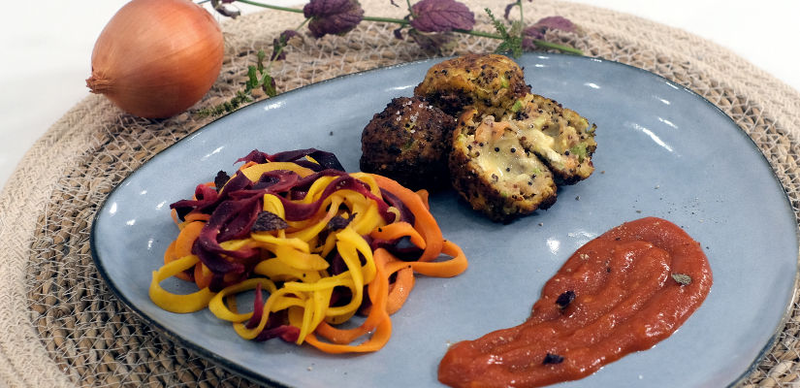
(551, 358)
(338, 222)
(565, 299)
(682, 278)
(268, 221)
(220, 180)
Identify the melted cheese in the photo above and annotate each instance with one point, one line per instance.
(504, 161)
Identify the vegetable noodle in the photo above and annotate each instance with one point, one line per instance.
(321, 244)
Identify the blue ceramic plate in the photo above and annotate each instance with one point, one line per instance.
(663, 151)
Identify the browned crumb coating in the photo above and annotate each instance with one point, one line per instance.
(505, 155)
(409, 142)
(491, 83)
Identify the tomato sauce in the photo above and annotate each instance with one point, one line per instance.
(622, 292)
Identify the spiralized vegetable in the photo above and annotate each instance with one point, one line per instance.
(323, 244)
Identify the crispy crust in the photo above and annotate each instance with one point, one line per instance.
(409, 142)
(486, 198)
(505, 155)
(491, 83)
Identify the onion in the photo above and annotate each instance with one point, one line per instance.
(156, 58)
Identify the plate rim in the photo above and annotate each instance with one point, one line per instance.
(240, 370)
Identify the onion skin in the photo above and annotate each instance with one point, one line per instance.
(156, 58)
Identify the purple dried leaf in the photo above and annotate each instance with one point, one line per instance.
(398, 33)
(433, 42)
(533, 32)
(507, 13)
(220, 180)
(279, 43)
(332, 16)
(555, 23)
(288, 34)
(538, 29)
(528, 43)
(441, 16)
(529, 35)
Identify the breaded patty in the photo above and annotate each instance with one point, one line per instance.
(492, 170)
(491, 83)
(505, 155)
(559, 136)
(409, 142)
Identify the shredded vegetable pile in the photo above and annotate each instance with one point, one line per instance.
(322, 244)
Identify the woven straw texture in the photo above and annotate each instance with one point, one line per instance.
(62, 327)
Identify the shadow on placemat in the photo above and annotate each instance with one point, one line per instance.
(97, 341)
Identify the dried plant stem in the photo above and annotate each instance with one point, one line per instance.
(403, 22)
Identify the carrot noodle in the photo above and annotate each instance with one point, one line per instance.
(424, 196)
(319, 270)
(187, 236)
(169, 256)
(197, 217)
(442, 269)
(424, 221)
(202, 275)
(400, 290)
(247, 164)
(399, 229)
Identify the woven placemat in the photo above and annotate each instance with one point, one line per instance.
(63, 327)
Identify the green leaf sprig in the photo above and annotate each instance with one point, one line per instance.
(258, 77)
(512, 40)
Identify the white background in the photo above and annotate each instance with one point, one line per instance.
(47, 47)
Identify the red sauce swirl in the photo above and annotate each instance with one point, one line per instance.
(620, 293)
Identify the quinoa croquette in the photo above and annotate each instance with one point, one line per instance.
(491, 83)
(494, 172)
(560, 137)
(409, 142)
(505, 155)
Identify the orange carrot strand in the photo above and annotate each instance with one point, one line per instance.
(439, 269)
(397, 230)
(202, 276)
(377, 319)
(169, 256)
(424, 195)
(424, 221)
(248, 164)
(187, 237)
(400, 290)
(197, 217)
